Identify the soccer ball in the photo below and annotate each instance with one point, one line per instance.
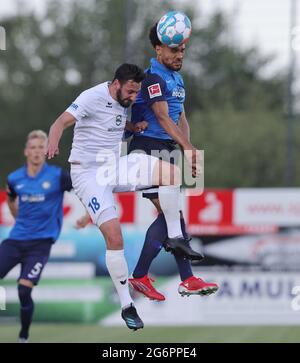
(173, 29)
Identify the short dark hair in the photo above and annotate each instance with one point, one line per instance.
(153, 36)
(129, 72)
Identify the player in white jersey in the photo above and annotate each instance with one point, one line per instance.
(97, 170)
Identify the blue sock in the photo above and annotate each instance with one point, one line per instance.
(184, 265)
(26, 312)
(156, 233)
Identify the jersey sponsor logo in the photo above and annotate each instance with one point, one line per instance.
(19, 186)
(109, 105)
(123, 282)
(154, 90)
(115, 129)
(118, 120)
(33, 198)
(46, 185)
(178, 92)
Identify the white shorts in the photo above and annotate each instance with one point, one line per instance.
(95, 185)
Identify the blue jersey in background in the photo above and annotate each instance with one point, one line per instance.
(40, 206)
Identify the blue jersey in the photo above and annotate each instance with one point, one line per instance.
(40, 205)
(160, 84)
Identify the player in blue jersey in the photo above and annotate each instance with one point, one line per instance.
(161, 104)
(35, 198)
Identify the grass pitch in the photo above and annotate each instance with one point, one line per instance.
(87, 333)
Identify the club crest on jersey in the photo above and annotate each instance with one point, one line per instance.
(154, 90)
(46, 185)
(118, 120)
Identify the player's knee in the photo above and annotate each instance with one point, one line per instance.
(113, 238)
(112, 233)
(114, 243)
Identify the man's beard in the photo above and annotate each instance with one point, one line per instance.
(123, 102)
(173, 68)
(176, 68)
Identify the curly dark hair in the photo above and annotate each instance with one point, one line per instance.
(153, 36)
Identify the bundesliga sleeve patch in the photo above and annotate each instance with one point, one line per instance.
(154, 90)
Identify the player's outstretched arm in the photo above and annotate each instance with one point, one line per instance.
(184, 125)
(161, 112)
(56, 130)
(178, 133)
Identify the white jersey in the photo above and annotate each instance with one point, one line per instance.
(100, 123)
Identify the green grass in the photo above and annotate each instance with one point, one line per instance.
(86, 333)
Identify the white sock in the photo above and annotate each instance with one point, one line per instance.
(169, 198)
(118, 270)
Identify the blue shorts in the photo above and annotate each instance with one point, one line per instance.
(32, 255)
(148, 145)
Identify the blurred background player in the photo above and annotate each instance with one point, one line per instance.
(35, 199)
(100, 114)
(160, 103)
